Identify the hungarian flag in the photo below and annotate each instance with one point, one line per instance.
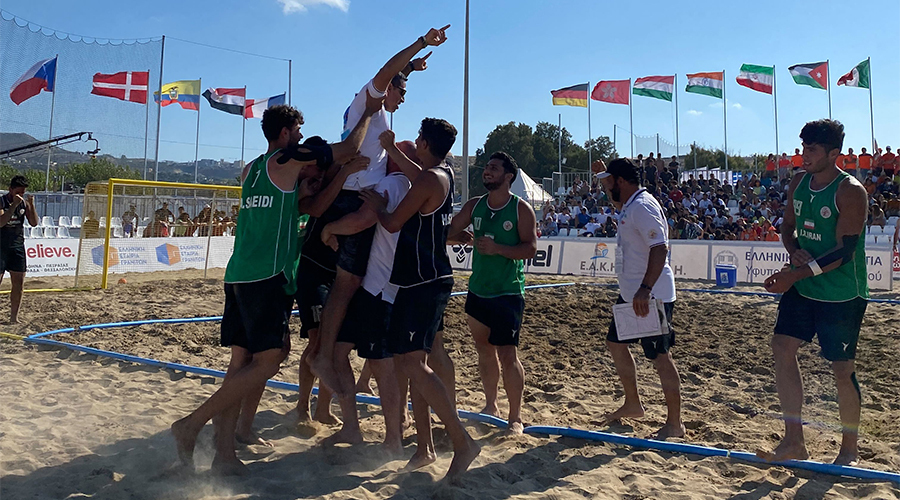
(41, 76)
(708, 83)
(758, 78)
(659, 87)
(614, 91)
(124, 85)
(254, 108)
(576, 95)
(227, 100)
(813, 74)
(857, 77)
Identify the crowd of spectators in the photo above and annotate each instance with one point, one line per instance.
(707, 208)
(164, 223)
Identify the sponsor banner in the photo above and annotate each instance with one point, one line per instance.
(547, 258)
(460, 256)
(689, 260)
(590, 257)
(51, 257)
(138, 255)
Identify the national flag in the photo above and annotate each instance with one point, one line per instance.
(576, 95)
(614, 91)
(758, 78)
(185, 93)
(227, 100)
(125, 85)
(709, 83)
(659, 87)
(41, 76)
(814, 74)
(254, 108)
(857, 77)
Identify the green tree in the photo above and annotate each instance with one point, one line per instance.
(706, 158)
(514, 138)
(35, 177)
(97, 169)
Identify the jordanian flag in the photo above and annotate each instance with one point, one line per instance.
(576, 95)
(710, 83)
(813, 74)
(659, 87)
(758, 78)
(227, 100)
(857, 77)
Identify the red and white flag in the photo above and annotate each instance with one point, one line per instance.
(614, 91)
(125, 85)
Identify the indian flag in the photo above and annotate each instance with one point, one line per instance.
(659, 87)
(710, 83)
(759, 78)
(813, 74)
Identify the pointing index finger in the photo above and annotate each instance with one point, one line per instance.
(427, 55)
(444, 28)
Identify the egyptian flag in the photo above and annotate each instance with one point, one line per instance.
(227, 100)
(576, 95)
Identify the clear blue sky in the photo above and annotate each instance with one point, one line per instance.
(520, 50)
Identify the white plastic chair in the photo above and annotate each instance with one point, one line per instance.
(37, 232)
(46, 221)
(63, 232)
(117, 232)
(102, 221)
(76, 221)
(26, 225)
(64, 221)
(140, 232)
(116, 222)
(145, 221)
(50, 232)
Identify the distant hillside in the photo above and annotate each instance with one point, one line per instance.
(13, 140)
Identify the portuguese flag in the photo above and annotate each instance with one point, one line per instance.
(576, 95)
(813, 74)
(758, 78)
(857, 77)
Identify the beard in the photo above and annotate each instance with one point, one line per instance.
(616, 194)
(492, 186)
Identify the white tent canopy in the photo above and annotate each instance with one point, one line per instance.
(524, 187)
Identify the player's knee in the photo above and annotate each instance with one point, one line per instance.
(508, 355)
(784, 346)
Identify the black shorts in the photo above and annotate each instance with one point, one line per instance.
(12, 258)
(366, 325)
(313, 285)
(353, 249)
(503, 315)
(417, 316)
(256, 314)
(653, 346)
(836, 323)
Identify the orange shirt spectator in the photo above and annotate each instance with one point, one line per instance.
(770, 165)
(784, 162)
(850, 160)
(797, 159)
(772, 234)
(889, 162)
(840, 161)
(865, 160)
(749, 234)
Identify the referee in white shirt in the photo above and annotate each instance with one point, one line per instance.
(642, 269)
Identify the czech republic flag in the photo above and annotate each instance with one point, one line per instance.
(41, 76)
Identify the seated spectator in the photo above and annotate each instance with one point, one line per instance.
(164, 214)
(549, 228)
(129, 222)
(562, 221)
(877, 217)
(156, 229)
(90, 227)
(183, 224)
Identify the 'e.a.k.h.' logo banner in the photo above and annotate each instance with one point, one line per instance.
(97, 256)
(168, 254)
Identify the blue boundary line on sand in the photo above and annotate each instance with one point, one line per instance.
(604, 437)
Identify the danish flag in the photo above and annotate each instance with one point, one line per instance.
(125, 85)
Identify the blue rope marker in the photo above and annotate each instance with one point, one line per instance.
(604, 437)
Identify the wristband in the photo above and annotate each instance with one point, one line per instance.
(814, 267)
(646, 287)
(422, 39)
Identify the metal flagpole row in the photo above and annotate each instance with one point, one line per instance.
(50, 137)
(589, 126)
(725, 118)
(630, 118)
(677, 151)
(871, 110)
(775, 98)
(197, 143)
(162, 55)
(147, 124)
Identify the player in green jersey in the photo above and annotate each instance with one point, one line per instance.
(825, 289)
(505, 234)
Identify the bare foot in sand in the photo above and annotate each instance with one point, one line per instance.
(185, 440)
(343, 436)
(252, 439)
(849, 459)
(491, 410)
(630, 411)
(515, 428)
(327, 376)
(461, 461)
(229, 467)
(327, 418)
(669, 431)
(785, 451)
(420, 459)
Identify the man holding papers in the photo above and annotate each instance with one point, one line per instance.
(647, 283)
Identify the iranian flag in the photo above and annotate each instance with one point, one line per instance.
(857, 77)
(813, 74)
(758, 78)
(659, 87)
(708, 83)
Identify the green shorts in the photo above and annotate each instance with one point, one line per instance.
(837, 324)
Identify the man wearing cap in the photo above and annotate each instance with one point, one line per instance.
(643, 273)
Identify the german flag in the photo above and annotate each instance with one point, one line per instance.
(576, 95)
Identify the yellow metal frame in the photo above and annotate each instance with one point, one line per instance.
(110, 186)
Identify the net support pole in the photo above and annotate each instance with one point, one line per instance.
(197, 142)
(146, 129)
(465, 126)
(104, 279)
(212, 211)
(50, 136)
(871, 113)
(162, 56)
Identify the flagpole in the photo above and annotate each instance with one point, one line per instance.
(50, 137)
(630, 119)
(243, 125)
(677, 151)
(197, 143)
(559, 129)
(290, 73)
(465, 137)
(725, 118)
(828, 84)
(614, 138)
(775, 97)
(147, 124)
(162, 55)
(871, 113)
(589, 125)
